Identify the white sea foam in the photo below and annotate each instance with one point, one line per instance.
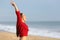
(8, 28)
(46, 33)
(32, 31)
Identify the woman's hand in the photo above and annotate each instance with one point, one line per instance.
(14, 5)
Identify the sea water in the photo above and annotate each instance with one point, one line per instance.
(40, 28)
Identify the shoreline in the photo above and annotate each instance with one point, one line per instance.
(12, 36)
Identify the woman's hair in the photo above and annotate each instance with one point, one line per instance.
(21, 14)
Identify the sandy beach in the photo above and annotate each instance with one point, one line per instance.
(12, 36)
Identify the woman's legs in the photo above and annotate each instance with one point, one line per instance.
(23, 38)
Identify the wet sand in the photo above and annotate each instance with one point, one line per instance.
(12, 36)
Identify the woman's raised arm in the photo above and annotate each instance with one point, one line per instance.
(16, 10)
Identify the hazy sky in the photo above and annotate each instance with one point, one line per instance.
(35, 10)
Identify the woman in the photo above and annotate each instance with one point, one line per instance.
(21, 27)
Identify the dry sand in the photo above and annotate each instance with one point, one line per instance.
(12, 36)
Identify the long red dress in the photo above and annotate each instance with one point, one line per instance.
(21, 27)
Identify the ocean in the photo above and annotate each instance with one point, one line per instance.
(40, 28)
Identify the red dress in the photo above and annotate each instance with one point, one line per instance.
(21, 27)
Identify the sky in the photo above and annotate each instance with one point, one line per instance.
(35, 10)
